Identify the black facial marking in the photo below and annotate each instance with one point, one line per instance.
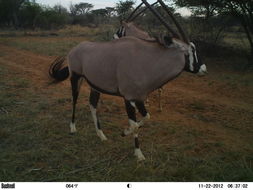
(196, 61)
(194, 53)
(187, 63)
(121, 32)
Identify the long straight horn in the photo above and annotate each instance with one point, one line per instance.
(181, 31)
(142, 11)
(128, 19)
(174, 33)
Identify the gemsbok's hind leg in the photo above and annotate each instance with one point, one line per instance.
(94, 98)
(75, 85)
(133, 129)
(141, 108)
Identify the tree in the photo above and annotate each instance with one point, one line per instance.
(100, 12)
(9, 11)
(207, 8)
(28, 13)
(110, 11)
(99, 16)
(124, 8)
(50, 18)
(239, 9)
(242, 10)
(81, 8)
(203, 22)
(60, 9)
(81, 13)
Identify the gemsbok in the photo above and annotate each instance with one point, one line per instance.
(130, 68)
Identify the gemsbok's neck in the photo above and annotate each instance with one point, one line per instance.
(180, 44)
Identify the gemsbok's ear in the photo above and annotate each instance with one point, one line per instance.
(164, 40)
(167, 40)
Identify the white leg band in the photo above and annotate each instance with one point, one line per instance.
(138, 154)
(94, 116)
(134, 126)
(101, 135)
(141, 122)
(72, 127)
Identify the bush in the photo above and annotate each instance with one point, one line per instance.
(50, 18)
(28, 14)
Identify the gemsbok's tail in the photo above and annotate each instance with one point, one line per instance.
(57, 72)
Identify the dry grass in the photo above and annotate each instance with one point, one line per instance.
(203, 134)
(55, 42)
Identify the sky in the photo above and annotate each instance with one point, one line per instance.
(99, 4)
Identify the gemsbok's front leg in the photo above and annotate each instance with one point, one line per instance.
(145, 115)
(133, 129)
(94, 98)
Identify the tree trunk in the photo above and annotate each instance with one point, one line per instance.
(15, 20)
(249, 36)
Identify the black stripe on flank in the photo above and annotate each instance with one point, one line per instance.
(100, 89)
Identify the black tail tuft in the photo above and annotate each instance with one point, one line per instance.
(57, 72)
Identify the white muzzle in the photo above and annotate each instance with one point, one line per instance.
(202, 70)
(115, 36)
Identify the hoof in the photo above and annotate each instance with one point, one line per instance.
(72, 128)
(101, 135)
(103, 138)
(139, 155)
(123, 134)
